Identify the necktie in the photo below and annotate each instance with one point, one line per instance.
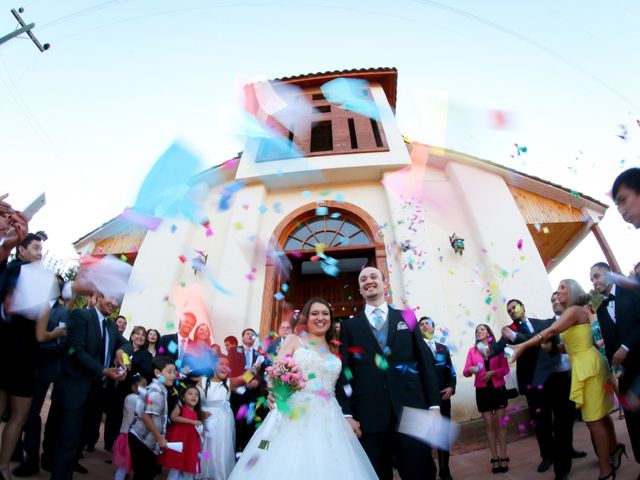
(432, 345)
(183, 346)
(610, 303)
(377, 318)
(247, 359)
(103, 353)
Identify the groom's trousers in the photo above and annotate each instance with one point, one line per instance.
(389, 448)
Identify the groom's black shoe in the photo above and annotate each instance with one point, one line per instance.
(578, 454)
(545, 464)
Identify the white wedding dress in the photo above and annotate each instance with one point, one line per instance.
(315, 441)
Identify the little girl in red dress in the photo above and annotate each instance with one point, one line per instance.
(184, 420)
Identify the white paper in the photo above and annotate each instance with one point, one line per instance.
(33, 291)
(175, 446)
(428, 427)
(110, 276)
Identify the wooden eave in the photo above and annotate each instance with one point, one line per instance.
(386, 77)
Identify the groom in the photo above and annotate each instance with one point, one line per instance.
(386, 366)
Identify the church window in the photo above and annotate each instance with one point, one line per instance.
(352, 133)
(331, 232)
(321, 136)
(376, 133)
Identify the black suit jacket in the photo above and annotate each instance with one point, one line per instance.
(82, 365)
(547, 361)
(378, 394)
(526, 363)
(445, 372)
(626, 329)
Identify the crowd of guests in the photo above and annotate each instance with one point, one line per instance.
(178, 401)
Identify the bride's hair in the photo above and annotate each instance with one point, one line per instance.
(575, 294)
(304, 318)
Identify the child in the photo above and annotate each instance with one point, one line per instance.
(121, 457)
(218, 453)
(186, 416)
(147, 434)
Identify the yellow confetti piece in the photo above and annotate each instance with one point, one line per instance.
(238, 225)
(522, 257)
(320, 248)
(381, 362)
(247, 376)
(451, 272)
(125, 359)
(545, 230)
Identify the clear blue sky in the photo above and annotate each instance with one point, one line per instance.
(85, 120)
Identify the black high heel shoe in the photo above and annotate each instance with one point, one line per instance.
(506, 461)
(611, 476)
(616, 456)
(495, 465)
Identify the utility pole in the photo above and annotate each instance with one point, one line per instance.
(24, 28)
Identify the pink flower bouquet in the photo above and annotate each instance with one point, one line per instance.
(285, 378)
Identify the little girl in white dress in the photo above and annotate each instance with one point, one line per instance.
(218, 451)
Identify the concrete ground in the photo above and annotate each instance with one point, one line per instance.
(468, 465)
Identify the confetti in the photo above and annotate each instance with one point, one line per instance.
(279, 296)
(173, 228)
(166, 190)
(145, 221)
(262, 209)
(321, 211)
(182, 258)
(348, 93)
(520, 244)
(381, 362)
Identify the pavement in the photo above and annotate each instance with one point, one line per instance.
(474, 464)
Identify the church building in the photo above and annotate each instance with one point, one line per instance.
(456, 236)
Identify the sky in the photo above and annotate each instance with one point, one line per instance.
(85, 120)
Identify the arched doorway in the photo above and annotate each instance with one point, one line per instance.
(349, 235)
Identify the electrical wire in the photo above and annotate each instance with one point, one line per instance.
(80, 13)
(534, 44)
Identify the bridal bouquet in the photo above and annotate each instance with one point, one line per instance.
(285, 378)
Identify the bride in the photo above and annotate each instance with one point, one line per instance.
(314, 441)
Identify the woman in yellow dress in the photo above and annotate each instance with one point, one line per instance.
(589, 374)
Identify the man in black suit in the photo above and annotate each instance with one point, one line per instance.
(520, 331)
(619, 318)
(94, 344)
(390, 367)
(246, 395)
(174, 345)
(446, 383)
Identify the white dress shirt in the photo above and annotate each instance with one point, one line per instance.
(368, 312)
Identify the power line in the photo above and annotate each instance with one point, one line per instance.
(534, 44)
(84, 11)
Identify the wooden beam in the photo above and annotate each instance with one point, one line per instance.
(606, 249)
